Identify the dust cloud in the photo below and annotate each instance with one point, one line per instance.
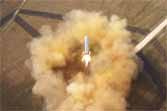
(61, 78)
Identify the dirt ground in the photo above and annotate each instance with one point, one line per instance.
(16, 82)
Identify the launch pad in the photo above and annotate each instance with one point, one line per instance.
(149, 86)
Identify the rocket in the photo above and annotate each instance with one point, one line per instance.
(86, 53)
(86, 45)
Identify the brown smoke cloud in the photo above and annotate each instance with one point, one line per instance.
(61, 78)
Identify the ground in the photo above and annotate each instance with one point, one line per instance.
(16, 80)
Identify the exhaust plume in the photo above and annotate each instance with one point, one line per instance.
(60, 75)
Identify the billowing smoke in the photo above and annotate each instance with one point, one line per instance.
(61, 78)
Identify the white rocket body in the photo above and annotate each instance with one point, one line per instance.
(86, 54)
